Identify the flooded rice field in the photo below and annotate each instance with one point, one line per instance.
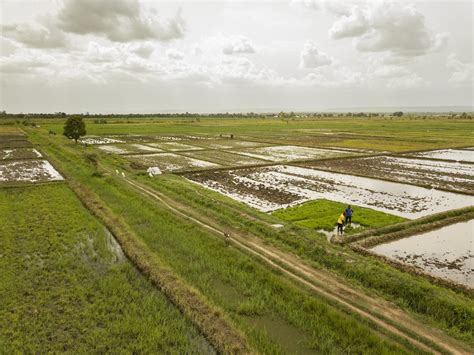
(19, 153)
(437, 174)
(174, 146)
(225, 158)
(448, 154)
(169, 162)
(135, 148)
(28, 171)
(275, 187)
(291, 153)
(447, 252)
(96, 140)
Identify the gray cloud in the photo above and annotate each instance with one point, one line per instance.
(117, 20)
(388, 27)
(311, 57)
(44, 35)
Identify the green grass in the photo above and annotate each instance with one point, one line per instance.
(62, 289)
(437, 306)
(246, 290)
(323, 214)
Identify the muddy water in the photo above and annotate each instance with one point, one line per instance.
(447, 252)
(330, 234)
(449, 154)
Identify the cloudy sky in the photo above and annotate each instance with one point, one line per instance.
(208, 56)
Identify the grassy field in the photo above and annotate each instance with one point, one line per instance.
(388, 134)
(320, 214)
(64, 287)
(274, 313)
(254, 297)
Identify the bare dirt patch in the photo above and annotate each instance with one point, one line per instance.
(19, 153)
(28, 171)
(169, 162)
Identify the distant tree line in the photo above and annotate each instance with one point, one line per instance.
(102, 118)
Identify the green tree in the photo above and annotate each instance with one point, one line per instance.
(74, 128)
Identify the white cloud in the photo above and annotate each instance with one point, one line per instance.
(462, 73)
(386, 26)
(311, 57)
(174, 54)
(238, 45)
(144, 50)
(117, 20)
(351, 25)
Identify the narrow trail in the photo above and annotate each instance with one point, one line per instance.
(382, 313)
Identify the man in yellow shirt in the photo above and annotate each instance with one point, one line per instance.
(340, 223)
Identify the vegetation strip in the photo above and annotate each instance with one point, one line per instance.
(219, 331)
(279, 261)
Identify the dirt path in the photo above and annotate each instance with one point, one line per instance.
(382, 313)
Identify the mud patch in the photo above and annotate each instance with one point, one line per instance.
(28, 171)
(292, 153)
(169, 162)
(225, 158)
(19, 153)
(447, 252)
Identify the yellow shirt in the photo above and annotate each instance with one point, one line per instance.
(341, 219)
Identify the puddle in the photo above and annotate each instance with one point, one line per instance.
(290, 338)
(330, 234)
(277, 226)
(114, 247)
(447, 252)
(448, 154)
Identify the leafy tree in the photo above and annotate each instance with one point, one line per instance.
(398, 114)
(74, 128)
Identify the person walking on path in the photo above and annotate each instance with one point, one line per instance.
(349, 211)
(340, 223)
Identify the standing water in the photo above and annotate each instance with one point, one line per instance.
(447, 252)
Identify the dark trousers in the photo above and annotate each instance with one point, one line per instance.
(339, 228)
(349, 219)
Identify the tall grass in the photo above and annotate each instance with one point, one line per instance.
(63, 289)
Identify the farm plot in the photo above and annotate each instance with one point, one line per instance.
(447, 252)
(225, 158)
(271, 188)
(28, 171)
(135, 148)
(96, 140)
(448, 154)
(438, 174)
(228, 144)
(291, 153)
(19, 153)
(169, 162)
(174, 146)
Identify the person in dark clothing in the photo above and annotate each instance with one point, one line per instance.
(349, 211)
